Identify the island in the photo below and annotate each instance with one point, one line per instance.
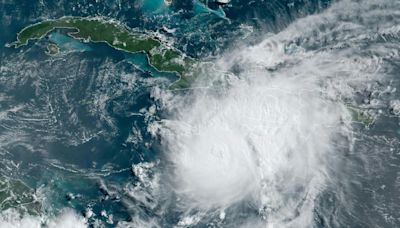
(98, 29)
(15, 194)
(52, 49)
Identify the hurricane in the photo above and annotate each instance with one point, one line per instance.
(275, 114)
(272, 136)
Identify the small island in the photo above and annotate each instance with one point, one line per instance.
(116, 35)
(52, 49)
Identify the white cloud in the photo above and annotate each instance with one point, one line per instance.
(67, 219)
(268, 136)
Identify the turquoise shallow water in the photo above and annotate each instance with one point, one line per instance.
(66, 43)
(79, 129)
(142, 63)
(154, 6)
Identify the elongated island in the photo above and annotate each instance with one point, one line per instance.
(116, 35)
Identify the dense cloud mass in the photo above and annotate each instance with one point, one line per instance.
(269, 136)
(266, 141)
(68, 219)
(289, 129)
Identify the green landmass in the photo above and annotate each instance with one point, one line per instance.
(15, 194)
(361, 117)
(116, 35)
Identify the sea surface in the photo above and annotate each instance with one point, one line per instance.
(292, 121)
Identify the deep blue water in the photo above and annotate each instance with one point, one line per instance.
(78, 119)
